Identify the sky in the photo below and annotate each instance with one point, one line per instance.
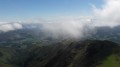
(22, 10)
(60, 17)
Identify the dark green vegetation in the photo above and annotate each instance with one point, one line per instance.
(88, 53)
(32, 48)
(106, 33)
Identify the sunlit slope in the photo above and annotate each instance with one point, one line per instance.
(111, 61)
(6, 55)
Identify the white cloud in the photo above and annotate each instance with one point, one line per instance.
(78, 27)
(108, 14)
(67, 27)
(5, 27)
(17, 26)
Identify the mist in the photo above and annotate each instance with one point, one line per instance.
(107, 15)
(76, 27)
(6, 27)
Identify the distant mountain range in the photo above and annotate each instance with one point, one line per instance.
(30, 46)
(106, 33)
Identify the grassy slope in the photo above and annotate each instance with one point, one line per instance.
(76, 54)
(6, 55)
(2, 64)
(111, 61)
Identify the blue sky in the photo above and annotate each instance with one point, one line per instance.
(20, 10)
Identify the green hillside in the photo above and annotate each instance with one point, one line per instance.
(88, 53)
(111, 61)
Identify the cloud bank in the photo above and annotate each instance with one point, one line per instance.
(78, 27)
(67, 27)
(10, 27)
(107, 15)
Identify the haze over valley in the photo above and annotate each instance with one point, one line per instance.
(63, 33)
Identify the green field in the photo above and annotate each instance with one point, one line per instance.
(111, 61)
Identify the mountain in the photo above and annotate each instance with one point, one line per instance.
(32, 47)
(6, 55)
(81, 54)
(88, 53)
(34, 34)
(24, 38)
(106, 33)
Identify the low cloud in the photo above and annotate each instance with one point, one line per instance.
(5, 27)
(70, 27)
(107, 15)
(77, 27)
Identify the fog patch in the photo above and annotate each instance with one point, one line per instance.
(6, 27)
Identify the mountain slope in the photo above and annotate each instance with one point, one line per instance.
(6, 55)
(106, 33)
(86, 54)
(89, 53)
